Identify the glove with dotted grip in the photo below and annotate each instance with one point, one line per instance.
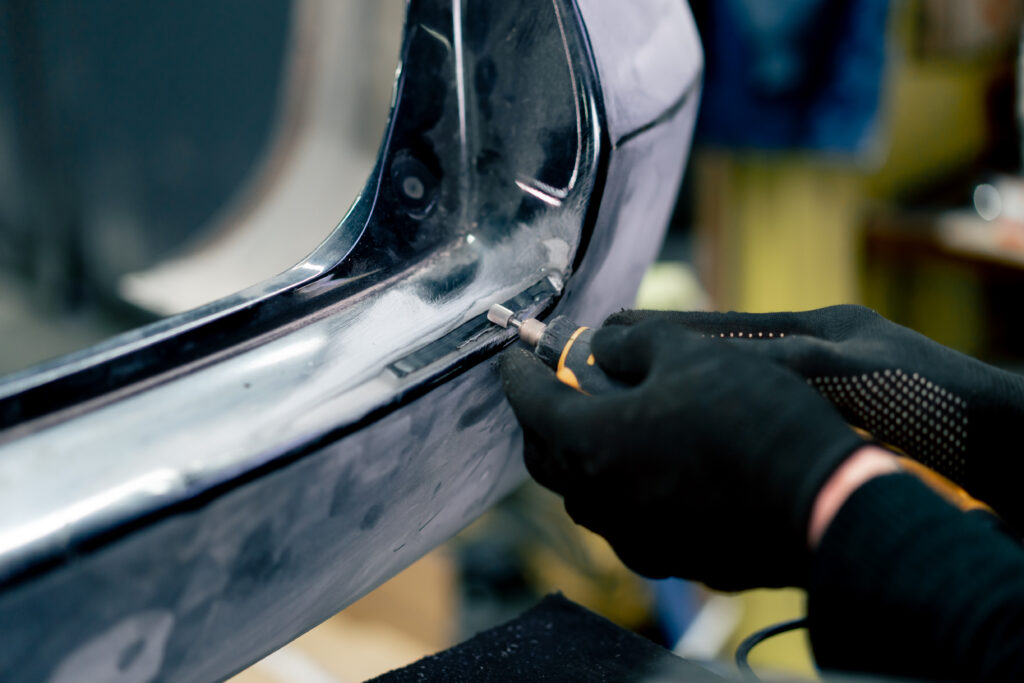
(705, 466)
(951, 412)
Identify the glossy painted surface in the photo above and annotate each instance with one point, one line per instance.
(178, 505)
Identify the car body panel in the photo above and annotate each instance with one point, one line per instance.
(273, 457)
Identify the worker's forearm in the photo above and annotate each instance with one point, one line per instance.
(867, 463)
(905, 584)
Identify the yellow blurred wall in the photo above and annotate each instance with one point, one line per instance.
(782, 231)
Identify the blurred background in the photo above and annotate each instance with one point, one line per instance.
(153, 159)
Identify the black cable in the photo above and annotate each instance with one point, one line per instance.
(758, 637)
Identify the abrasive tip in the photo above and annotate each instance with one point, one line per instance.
(499, 315)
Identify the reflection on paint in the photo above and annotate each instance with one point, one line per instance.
(154, 484)
(286, 352)
(539, 194)
(131, 651)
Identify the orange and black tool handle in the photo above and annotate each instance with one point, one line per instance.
(565, 346)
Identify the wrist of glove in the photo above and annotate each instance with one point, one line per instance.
(706, 466)
(949, 411)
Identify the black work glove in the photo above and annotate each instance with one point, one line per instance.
(705, 467)
(949, 411)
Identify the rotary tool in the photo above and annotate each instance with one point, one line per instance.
(563, 345)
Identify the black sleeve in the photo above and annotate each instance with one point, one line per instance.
(905, 584)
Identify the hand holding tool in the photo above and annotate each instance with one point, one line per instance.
(704, 464)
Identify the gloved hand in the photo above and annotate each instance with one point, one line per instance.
(951, 412)
(705, 467)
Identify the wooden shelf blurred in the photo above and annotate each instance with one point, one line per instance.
(949, 275)
(956, 235)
